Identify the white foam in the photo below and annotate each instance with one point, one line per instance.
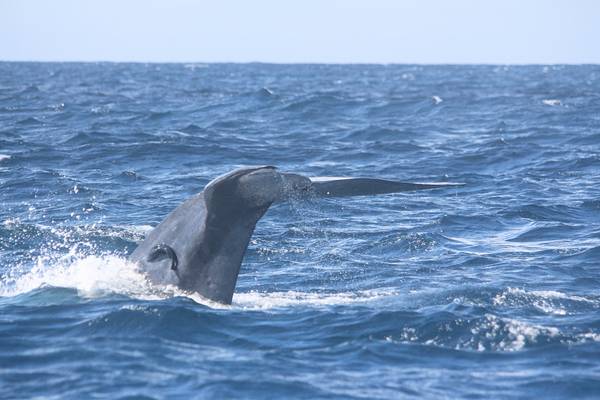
(100, 275)
(547, 301)
(551, 102)
(551, 294)
(92, 276)
(11, 222)
(492, 333)
(516, 333)
(262, 300)
(4, 157)
(586, 337)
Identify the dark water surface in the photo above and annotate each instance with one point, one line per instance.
(488, 291)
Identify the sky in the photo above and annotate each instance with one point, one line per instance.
(302, 31)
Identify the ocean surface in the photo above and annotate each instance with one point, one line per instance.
(491, 290)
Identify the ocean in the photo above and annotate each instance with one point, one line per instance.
(490, 290)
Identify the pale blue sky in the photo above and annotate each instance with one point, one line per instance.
(375, 31)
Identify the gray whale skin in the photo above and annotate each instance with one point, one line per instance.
(200, 245)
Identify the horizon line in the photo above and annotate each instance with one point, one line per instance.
(302, 62)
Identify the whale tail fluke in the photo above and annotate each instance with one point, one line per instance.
(200, 245)
(346, 186)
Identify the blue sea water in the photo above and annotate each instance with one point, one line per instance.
(491, 290)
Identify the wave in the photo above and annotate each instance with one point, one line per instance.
(546, 301)
(486, 333)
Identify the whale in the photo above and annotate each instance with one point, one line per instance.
(199, 246)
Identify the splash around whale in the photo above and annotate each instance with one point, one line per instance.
(200, 245)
